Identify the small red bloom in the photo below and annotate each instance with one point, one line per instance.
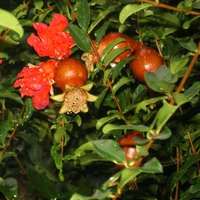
(51, 40)
(36, 82)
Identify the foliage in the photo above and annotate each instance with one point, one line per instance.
(48, 155)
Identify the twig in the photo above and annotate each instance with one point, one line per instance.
(187, 73)
(190, 12)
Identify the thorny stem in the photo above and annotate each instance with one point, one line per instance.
(190, 12)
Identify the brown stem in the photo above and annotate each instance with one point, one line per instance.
(14, 131)
(187, 73)
(20, 165)
(177, 170)
(192, 146)
(161, 5)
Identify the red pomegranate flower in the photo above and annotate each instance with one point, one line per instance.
(36, 82)
(51, 40)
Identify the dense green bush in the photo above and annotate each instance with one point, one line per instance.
(51, 153)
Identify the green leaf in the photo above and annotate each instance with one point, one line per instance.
(80, 37)
(192, 192)
(63, 7)
(8, 93)
(110, 127)
(110, 150)
(177, 64)
(5, 127)
(9, 187)
(83, 13)
(104, 120)
(28, 110)
(117, 69)
(83, 148)
(128, 175)
(142, 105)
(163, 115)
(40, 183)
(120, 83)
(130, 9)
(61, 131)
(188, 44)
(9, 21)
(172, 180)
(139, 93)
(162, 80)
(101, 16)
(170, 18)
(100, 98)
(152, 166)
(165, 134)
(58, 161)
(187, 24)
(101, 31)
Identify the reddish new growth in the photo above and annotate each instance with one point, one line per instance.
(52, 41)
(36, 82)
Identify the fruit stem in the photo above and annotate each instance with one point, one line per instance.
(190, 12)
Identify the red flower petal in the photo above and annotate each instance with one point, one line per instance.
(58, 23)
(52, 41)
(35, 82)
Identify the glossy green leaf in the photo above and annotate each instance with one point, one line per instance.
(11, 22)
(131, 9)
(173, 180)
(120, 83)
(9, 187)
(110, 150)
(177, 64)
(28, 110)
(163, 115)
(88, 146)
(58, 161)
(8, 93)
(187, 24)
(110, 127)
(101, 31)
(80, 37)
(5, 127)
(162, 80)
(193, 90)
(61, 131)
(171, 18)
(152, 166)
(83, 13)
(104, 120)
(188, 44)
(100, 98)
(63, 7)
(117, 69)
(143, 104)
(128, 175)
(192, 192)
(101, 16)
(164, 134)
(139, 93)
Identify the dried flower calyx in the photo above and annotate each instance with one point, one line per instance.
(75, 99)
